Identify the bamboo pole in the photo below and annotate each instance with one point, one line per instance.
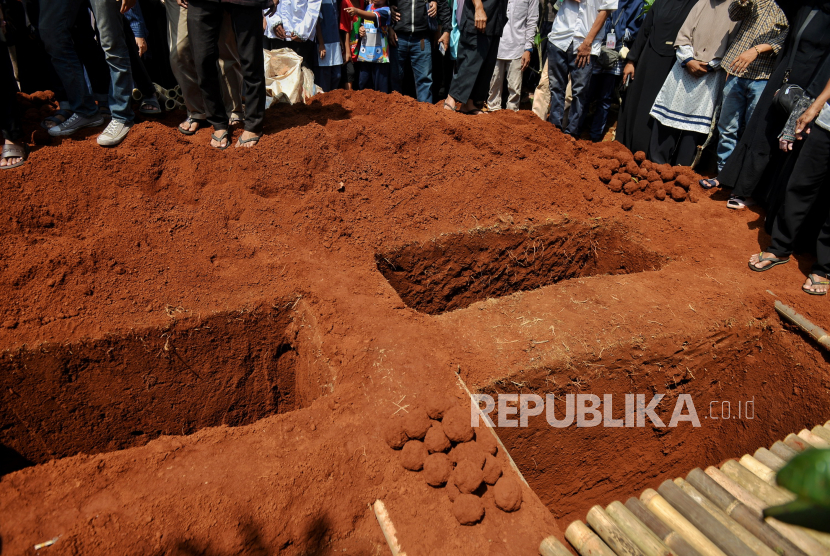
(759, 469)
(796, 442)
(783, 451)
(662, 509)
(637, 531)
(716, 532)
(767, 493)
(822, 432)
(746, 537)
(669, 536)
(814, 440)
(585, 541)
(811, 329)
(388, 528)
(736, 490)
(769, 459)
(613, 536)
(550, 546)
(746, 517)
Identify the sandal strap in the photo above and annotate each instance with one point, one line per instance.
(13, 151)
(824, 282)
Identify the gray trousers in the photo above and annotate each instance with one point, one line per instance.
(512, 69)
(184, 65)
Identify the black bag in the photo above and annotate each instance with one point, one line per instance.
(787, 96)
(607, 57)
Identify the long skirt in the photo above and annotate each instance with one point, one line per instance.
(687, 102)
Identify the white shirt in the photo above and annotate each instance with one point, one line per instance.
(297, 16)
(520, 30)
(574, 21)
(823, 120)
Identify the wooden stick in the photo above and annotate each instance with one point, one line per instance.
(636, 530)
(716, 531)
(769, 459)
(676, 521)
(737, 491)
(586, 542)
(796, 443)
(388, 528)
(814, 440)
(811, 329)
(550, 546)
(768, 494)
(669, 536)
(759, 469)
(783, 451)
(613, 536)
(822, 432)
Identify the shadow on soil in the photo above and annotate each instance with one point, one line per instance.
(10, 461)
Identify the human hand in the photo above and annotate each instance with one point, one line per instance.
(396, 15)
(272, 9)
(351, 10)
(445, 40)
(182, 3)
(525, 60)
(741, 62)
(696, 68)
(322, 51)
(480, 19)
(628, 72)
(583, 54)
(126, 5)
(362, 31)
(279, 31)
(142, 46)
(804, 121)
(785, 145)
(392, 36)
(432, 9)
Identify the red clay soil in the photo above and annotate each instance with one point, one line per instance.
(201, 347)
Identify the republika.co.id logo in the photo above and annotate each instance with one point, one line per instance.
(589, 410)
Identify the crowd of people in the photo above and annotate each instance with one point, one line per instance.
(754, 74)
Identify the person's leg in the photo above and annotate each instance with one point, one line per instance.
(381, 74)
(558, 80)
(183, 65)
(364, 76)
(92, 58)
(822, 264)
(231, 69)
(686, 149)
(496, 84)
(580, 79)
(662, 144)
(109, 20)
(396, 74)
(10, 116)
(488, 48)
(149, 102)
(420, 56)
(247, 23)
(754, 89)
(732, 116)
(808, 177)
(514, 84)
(54, 22)
(469, 63)
(604, 96)
(204, 23)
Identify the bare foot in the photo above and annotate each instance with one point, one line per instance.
(11, 161)
(816, 284)
(248, 136)
(450, 104)
(190, 125)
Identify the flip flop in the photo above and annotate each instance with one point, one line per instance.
(773, 260)
(255, 139)
(188, 121)
(236, 120)
(709, 184)
(220, 139)
(824, 282)
(62, 113)
(448, 107)
(149, 109)
(14, 151)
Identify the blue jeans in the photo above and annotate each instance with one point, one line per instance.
(602, 90)
(560, 65)
(739, 99)
(377, 73)
(409, 50)
(328, 77)
(55, 19)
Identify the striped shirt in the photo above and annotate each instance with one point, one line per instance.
(763, 23)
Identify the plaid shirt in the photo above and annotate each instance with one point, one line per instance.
(763, 23)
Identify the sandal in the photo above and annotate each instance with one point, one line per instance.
(709, 184)
(824, 282)
(255, 139)
(149, 107)
(236, 119)
(57, 118)
(219, 140)
(738, 203)
(188, 121)
(772, 259)
(448, 107)
(14, 151)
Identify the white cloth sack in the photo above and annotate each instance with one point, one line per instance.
(286, 80)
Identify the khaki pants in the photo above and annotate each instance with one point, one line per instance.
(541, 96)
(512, 69)
(184, 66)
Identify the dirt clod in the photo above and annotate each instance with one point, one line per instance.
(416, 423)
(486, 440)
(394, 434)
(615, 185)
(468, 451)
(468, 509)
(678, 194)
(435, 439)
(457, 425)
(467, 476)
(508, 494)
(631, 187)
(627, 205)
(639, 157)
(437, 405)
(437, 469)
(413, 455)
(492, 470)
(604, 174)
(683, 181)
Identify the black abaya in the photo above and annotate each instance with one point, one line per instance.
(653, 56)
(746, 169)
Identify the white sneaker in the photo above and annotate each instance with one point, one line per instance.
(74, 123)
(114, 133)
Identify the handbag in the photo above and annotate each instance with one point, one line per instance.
(431, 21)
(787, 96)
(608, 57)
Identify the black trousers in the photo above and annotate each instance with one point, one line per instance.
(673, 146)
(204, 21)
(810, 176)
(9, 109)
(477, 54)
(307, 50)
